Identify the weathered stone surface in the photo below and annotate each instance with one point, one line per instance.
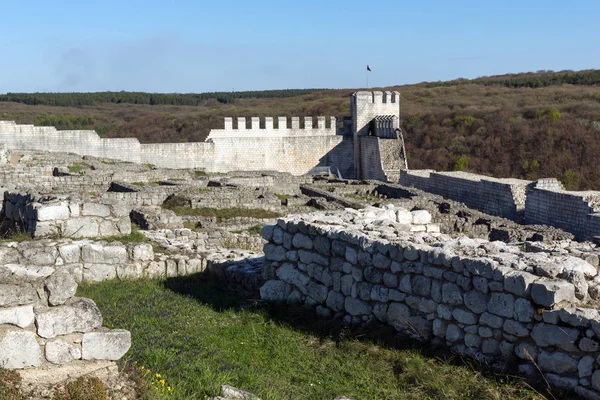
(585, 367)
(491, 320)
(548, 293)
(15, 295)
(19, 316)
(559, 363)
(451, 294)
(398, 315)
(502, 304)
(289, 274)
(454, 333)
(142, 252)
(578, 316)
(519, 282)
(77, 315)
(108, 345)
(357, 307)
(81, 228)
(302, 241)
(61, 352)
(551, 335)
(70, 253)
(464, 316)
(421, 217)
(94, 209)
(19, 349)
(98, 272)
(115, 254)
(61, 287)
(275, 290)
(475, 301)
(51, 213)
(317, 292)
(515, 328)
(335, 301)
(524, 311)
(40, 255)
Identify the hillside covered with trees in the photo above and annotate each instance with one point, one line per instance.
(542, 124)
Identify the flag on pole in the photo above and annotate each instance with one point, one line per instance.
(368, 68)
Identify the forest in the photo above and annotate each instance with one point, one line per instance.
(530, 125)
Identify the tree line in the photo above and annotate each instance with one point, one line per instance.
(77, 99)
(530, 79)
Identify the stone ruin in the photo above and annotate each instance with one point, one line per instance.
(469, 276)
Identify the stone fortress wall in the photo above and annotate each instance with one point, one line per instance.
(543, 202)
(296, 146)
(486, 300)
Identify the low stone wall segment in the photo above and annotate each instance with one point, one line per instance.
(483, 299)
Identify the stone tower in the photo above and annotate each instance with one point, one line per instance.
(375, 116)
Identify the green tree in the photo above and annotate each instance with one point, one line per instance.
(462, 164)
(571, 179)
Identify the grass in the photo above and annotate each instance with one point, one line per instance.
(369, 198)
(283, 197)
(76, 167)
(253, 230)
(222, 213)
(199, 336)
(199, 173)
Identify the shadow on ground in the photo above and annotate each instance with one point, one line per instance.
(213, 292)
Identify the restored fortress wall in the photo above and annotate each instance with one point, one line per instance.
(246, 148)
(44, 138)
(483, 299)
(575, 212)
(500, 197)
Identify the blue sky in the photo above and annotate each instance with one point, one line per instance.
(199, 46)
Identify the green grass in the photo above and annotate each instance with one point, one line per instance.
(283, 197)
(199, 336)
(76, 167)
(253, 230)
(222, 213)
(199, 173)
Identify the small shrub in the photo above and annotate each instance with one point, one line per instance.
(462, 164)
(198, 173)
(84, 388)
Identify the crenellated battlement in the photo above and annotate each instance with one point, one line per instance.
(279, 127)
(377, 97)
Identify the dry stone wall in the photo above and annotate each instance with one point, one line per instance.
(42, 323)
(68, 216)
(483, 299)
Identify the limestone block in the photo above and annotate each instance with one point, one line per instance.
(77, 315)
(373, 275)
(267, 232)
(8, 255)
(20, 316)
(142, 252)
(404, 217)
(475, 301)
(596, 380)
(15, 295)
(420, 217)
(81, 228)
(454, 333)
(556, 362)
(561, 382)
(70, 253)
(98, 272)
(302, 241)
(581, 317)
(524, 311)
(519, 282)
(114, 254)
(274, 253)
(464, 316)
(108, 228)
(548, 293)
(29, 272)
(61, 352)
(19, 349)
(335, 301)
(502, 304)
(96, 210)
(526, 351)
(491, 320)
(75, 270)
(358, 307)
(585, 367)
(108, 345)
(546, 335)
(309, 257)
(61, 286)
(51, 213)
(130, 271)
(322, 245)
(155, 269)
(41, 255)
(289, 274)
(124, 225)
(451, 294)
(515, 328)
(398, 315)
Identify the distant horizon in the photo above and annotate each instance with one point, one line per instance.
(189, 46)
(319, 89)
